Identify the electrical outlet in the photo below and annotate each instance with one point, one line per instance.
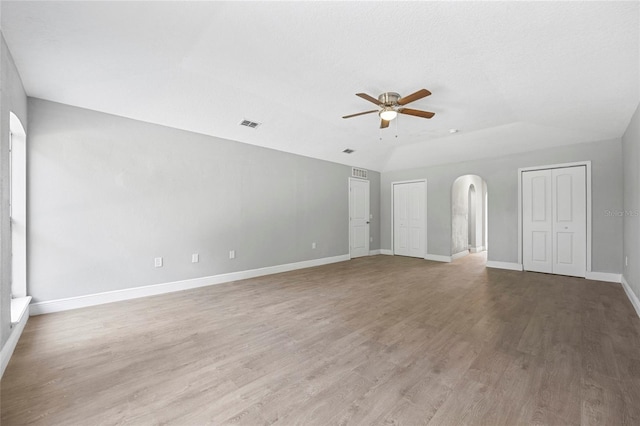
(195, 258)
(626, 261)
(232, 254)
(157, 262)
(313, 245)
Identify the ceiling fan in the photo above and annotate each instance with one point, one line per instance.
(391, 103)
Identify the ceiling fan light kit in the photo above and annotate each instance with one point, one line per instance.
(388, 113)
(391, 103)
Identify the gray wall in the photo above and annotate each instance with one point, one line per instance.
(12, 99)
(108, 194)
(501, 177)
(631, 158)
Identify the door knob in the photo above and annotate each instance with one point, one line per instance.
(367, 222)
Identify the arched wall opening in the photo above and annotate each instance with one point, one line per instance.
(468, 215)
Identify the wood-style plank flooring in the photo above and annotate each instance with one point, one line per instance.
(378, 340)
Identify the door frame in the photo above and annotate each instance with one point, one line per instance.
(587, 165)
(351, 179)
(400, 182)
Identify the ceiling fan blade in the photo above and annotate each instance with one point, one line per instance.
(360, 113)
(416, 112)
(368, 98)
(384, 124)
(422, 93)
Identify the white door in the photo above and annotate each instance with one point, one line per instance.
(409, 219)
(569, 221)
(359, 217)
(554, 216)
(537, 226)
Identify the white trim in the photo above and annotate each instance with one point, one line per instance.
(555, 166)
(12, 341)
(587, 165)
(476, 249)
(520, 229)
(504, 265)
(437, 258)
(589, 213)
(603, 276)
(460, 254)
(19, 306)
(426, 200)
(374, 252)
(155, 289)
(630, 294)
(386, 252)
(18, 205)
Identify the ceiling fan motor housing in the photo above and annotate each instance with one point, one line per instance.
(389, 98)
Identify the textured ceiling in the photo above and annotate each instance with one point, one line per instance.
(512, 76)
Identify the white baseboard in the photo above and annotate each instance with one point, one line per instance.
(504, 265)
(476, 249)
(374, 252)
(459, 255)
(386, 252)
(633, 298)
(12, 342)
(19, 307)
(437, 258)
(603, 276)
(155, 289)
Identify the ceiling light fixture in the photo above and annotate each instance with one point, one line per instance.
(388, 113)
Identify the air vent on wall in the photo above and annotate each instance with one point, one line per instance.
(248, 123)
(359, 173)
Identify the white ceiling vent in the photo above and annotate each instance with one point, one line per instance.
(249, 123)
(359, 173)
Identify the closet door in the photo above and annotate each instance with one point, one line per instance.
(569, 221)
(537, 223)
(554, 218)
(409, 220)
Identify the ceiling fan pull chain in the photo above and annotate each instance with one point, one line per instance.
(397, 129)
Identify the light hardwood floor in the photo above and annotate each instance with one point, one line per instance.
(379, 340)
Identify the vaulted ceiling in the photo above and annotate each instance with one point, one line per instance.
(511, 76)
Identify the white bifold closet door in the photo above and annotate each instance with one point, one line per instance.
(409, 224)
(554, 221)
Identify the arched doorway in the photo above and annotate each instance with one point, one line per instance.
(468, 216)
